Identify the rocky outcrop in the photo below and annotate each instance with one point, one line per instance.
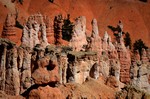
(91, 89)
(34, 32)
(132, 92)
(63, 64)
(125, 61)
(3, 95)
(58, 23)
(148, 55)
(9, 80)
(109, 60)
(95, 42)
(9, 30)
(140, 71)
(105, 41)
(49, 30)
(46, 93)
(35, 69)
(24, 63)
(45, 68)
(82, 65)
(123, 55)
(78, 40)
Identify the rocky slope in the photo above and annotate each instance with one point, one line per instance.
(41, 69)
(35, 62)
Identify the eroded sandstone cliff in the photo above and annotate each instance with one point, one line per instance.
(41, 68)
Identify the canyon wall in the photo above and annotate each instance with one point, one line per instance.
(38, 66)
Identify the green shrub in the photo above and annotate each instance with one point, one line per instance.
(143, 0)
(67, 29)
(51, 1)
(139, 45)
(127, 40)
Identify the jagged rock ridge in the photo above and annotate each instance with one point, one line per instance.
(38, 66)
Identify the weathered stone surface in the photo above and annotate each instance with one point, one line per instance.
(63, 64)
(45, 69)
(12, 83)
(105, 41)
(144, 57)
(125, 61)
(132, 92)
(58, 23)
(9, 30)
(35, 64)
(34, 32)
(9, 80)
(95, 43)
(79, 36)
(112, 82)
(148, 53)
(140, 71)
(82, 65)
(104, 64)
(91, 89)
(49, 30)
(25, 67)
(46, 93)
(3, 95)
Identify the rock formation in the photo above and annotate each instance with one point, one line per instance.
(9, 80)
(140, 71)
(9, 30)
(37, 69)
(46, 93)
(78, 40)
(24, 63)
(82, 65)
(125, 61)
(132, 92)
(109, 62)
(124, 56)
(49, 30)
(45, 68)
(58, 23)
(63, 64)
(34, 32)
(95, 43)
(105, 41)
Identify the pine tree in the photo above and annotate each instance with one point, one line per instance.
(67, 29)
(139, 45)
(127, 40)
(51, 1)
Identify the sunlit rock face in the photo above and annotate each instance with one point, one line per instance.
(46, 92)
(45, 67)
(95, 42)
(81, 66)
(42, 63)
(9, 79)
(9, 30)
(78, 40)
(34, 32)
(140, 70)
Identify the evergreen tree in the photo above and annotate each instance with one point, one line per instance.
(51, 1)
(143, 0)
(67, 29)
(139, 45)
(127, 40)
